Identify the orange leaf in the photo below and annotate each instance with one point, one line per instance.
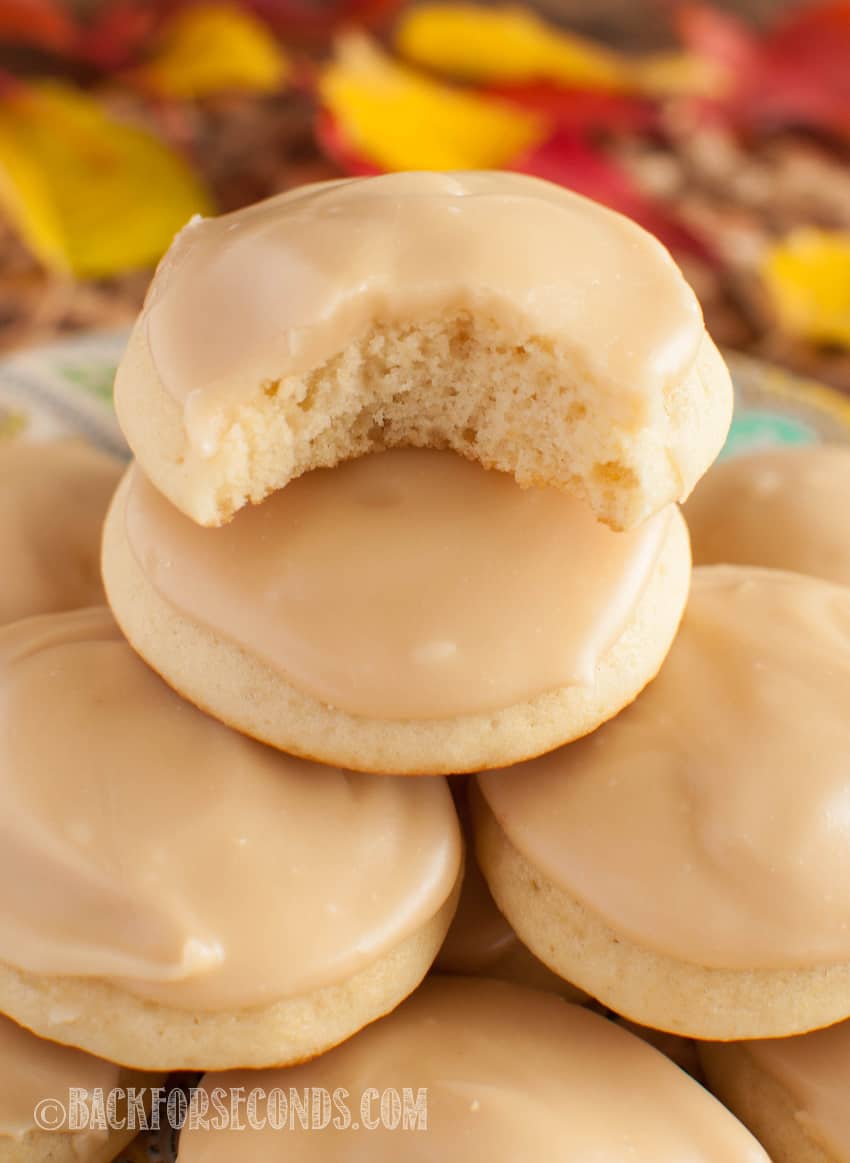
(90, 195)
(210, 48)
(38, 22)
(399, 119)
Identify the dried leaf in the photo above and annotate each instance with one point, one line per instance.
(211, 48)
(43, 23)
(808, 278)
(399, 119)
(92, 196)
(504, 44)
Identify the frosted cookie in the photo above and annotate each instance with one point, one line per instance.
(495, 314)
(173, 895)
(682, 1051)
(689, 863)
(780, 508)
(53, 498)
(405, 612)
(33, 1127)
(480, 942)
(792, 1092)
(508, 1074)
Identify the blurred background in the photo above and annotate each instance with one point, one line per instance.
(724, 128)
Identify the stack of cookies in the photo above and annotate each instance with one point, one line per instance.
(409, 453)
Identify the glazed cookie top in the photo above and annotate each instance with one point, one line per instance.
(780, 508)
(53, 499)
(280, 287)
(510, 1074)
(815, 1070)
(708, 821)
(495, 314)
(33, 1069)
(198, 868)
(409, 584)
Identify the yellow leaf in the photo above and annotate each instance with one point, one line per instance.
(401, 120)
(91, 196)
(808, 278)
(211, 48)
(513, 45)
(679, 74)
(505, 44)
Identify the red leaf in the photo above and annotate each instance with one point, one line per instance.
(10, 85)
(43, 23)
(116, 35)
(716, 35)
(582, 109)
(570, 161)
(805, 69)
(796, 74)
(307, 21)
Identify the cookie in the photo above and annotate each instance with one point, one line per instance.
(495, 314)
(53, 498)
(682, 1051)
(781, 508)
(471, 1069)
(689, 863)
(407, 612)
(791, 1092)
(39, 1122)
(174, 895)
(480, 942)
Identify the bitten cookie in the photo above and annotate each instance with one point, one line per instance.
(407, 612)
(499, 1072)
(689, 863)
(174, 895)
(495, 314)
(38, 1112)
(780, 508)
(53, 498)
(791, 1092)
